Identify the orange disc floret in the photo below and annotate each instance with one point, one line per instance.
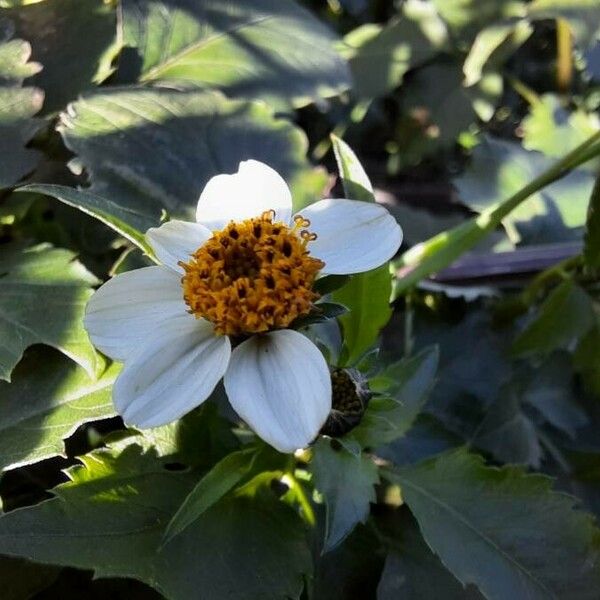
(252, 276)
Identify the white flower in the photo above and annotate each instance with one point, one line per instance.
(241, 274)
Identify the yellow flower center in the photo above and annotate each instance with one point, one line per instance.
(252, 276)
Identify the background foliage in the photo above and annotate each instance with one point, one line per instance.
(474, 472)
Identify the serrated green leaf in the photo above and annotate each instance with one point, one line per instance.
(223, 477)
(412, 571)
(117, 133)
(565, 315)
(268, 49)
(367, 297)
(43, 293)
(503, 530)
(72, 39)
(17, 107)
(550, 389)
(507, 433)
(391, 416)
(49, 397)
(112, 515)
(347, 483)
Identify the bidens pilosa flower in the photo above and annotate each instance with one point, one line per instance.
(242, 273)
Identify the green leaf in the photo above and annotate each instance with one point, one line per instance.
(116, 135)
(111, 518)
(351, 570)
(465, 18)
(330, 283)
(500, 168)
(391, 416)
(412, 571)
(507, 433)
(367, 297)
(17, 106)
(320, 313)
(73, 40)
(269, 49)
(402, 44)
(222, 478)
(582, 15)
(551, 391)
(346, 481)
(357, 185)
(492, 47)
(587, 358)
(591, 247)
(43, 293)
(552, 130)
(565, 315)
(48, 399)
(503, 530)
(103, 209)
(437, 91)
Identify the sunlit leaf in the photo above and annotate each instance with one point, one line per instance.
(500, 168)
(72, 39)
(17, 106)
(397, 47)
(224, 476)
(357, 185)
(493, 46)
(43, 293)
(269, 49)
(153, 150)
(466, 17)
(49, 397)
(552, 130)
(111, 518)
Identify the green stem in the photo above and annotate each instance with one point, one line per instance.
(444, 248)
